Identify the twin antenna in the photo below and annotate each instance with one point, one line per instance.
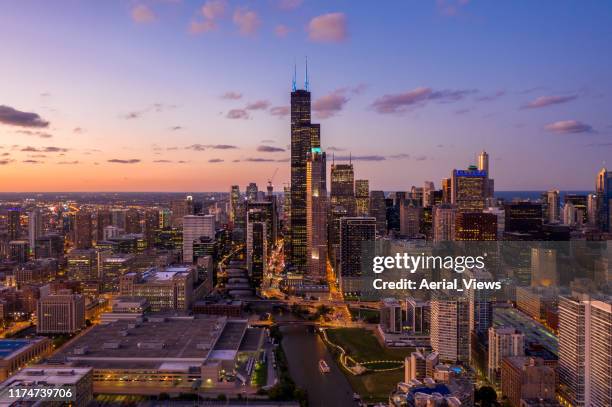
(306, 83)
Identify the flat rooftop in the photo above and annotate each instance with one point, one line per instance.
(153, 342)
(9, 347)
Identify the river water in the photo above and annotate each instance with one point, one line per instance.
(304, 349)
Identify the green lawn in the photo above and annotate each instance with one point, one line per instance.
(363, 346)
(260, 374)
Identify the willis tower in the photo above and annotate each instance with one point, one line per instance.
(304, 137)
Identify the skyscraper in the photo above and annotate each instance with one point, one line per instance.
(469, 189)
(83, 229)
(603, 190)
(34, 227)
(195, 226)
(450, 329)
(476, 226)
(104, 218)
(256, 245)
(304, 137)
(585, 361)
(355, 235)
(251, 192)
(483, 161)
(342, 192)
(553, 206)
(234, 200)
(378, 210)
(444, 223)
(316, 214)
(14, 224)
(362, 197)
(411, 219)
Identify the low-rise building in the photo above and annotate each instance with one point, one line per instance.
(17, 353)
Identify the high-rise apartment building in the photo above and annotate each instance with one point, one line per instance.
(444, 222)
(195, 226)
(251, 192)
(585, 360)
(357, 236)
(256, 245)
(450, 329)
(34, 227)
(411, 219)
(504, 341)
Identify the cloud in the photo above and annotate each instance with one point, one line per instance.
(32, 162)
(6, 161)
(40, 134)
(120, 161)
(450, 7)
(330, 104)
(258, 160)
(568, 127)
(237, 114)
(204, 147)
(222, 147)
(420, 158)
(50, 149)
(175, 128)
(162, 161)
(491, 97)
(281, 30)
(215, 160)
(258, 105)
(544, 101)
(198, 27)
(463, 111)
(399, 156)
(155, 107)
(289, 4)
(280, 111)
(143, 14)
(14, 117)
(68, 162)
(269, 149)
(359, 158)
(401, 102)
(78, 130)
(247, 21)
(328, 28)
(214, 9)
(332, 148)
(231, 95)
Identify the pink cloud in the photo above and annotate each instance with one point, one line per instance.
(450, 7)
(328, 28)
(237, 114)
(142, 14)
(544, 101)
(280, 111)
(289, 4)
(281, 30)
(568, 127)
(214, 9)
(258, 105)
(418, 97)
(330, 104)
(247, 21)
(231, 95)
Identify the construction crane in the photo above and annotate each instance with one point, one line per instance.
(272, 178)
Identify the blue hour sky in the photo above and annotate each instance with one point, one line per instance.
(193, 95)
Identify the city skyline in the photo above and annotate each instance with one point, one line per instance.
(130, 100)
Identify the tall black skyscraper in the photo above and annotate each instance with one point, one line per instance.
(304, 137)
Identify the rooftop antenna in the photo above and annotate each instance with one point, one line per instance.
(306, 83)
(293, 85)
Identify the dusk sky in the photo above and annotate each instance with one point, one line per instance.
(171, 95)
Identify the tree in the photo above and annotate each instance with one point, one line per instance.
(486, 397)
